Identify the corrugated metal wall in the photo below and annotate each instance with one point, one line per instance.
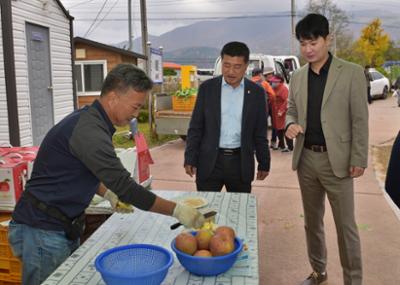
(51, 16)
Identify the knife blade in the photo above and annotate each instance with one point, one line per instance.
(207, 215)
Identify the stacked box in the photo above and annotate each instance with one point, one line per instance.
(10, 266)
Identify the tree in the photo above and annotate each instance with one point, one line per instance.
(338, 22)
(393, 51)
(372, 44)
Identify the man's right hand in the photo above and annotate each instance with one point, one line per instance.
(188, 216)
(190, 170)
(293, 130)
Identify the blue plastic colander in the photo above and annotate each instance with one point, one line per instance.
(139, 264)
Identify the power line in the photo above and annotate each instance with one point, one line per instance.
(97, 16)
(98, 23)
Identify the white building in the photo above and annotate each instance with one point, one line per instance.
(36, 79)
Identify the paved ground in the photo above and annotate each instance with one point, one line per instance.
(283, 259)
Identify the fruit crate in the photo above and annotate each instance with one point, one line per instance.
(185, 104)
(10, 267)
(8, 281)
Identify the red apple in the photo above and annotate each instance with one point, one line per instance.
(186, 243)
(225, 230)
(221, 244)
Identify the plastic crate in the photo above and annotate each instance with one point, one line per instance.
(5, 250)
(11, 266)
(9, 282)
(183, 104)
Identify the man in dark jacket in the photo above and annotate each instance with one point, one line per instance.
(392, 184)
(228, 126)
(76, 160)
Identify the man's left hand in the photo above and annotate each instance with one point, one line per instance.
(261, 174)
(356, 171)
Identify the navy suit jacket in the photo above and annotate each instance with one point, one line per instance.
(202, 141)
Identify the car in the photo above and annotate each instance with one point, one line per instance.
(380, 85)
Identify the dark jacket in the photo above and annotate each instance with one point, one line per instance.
(392, 184)
(204, 130)
(74, 157)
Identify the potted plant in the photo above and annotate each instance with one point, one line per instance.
(184, 99)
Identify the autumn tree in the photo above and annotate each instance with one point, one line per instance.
(372, 44)
(393, 51)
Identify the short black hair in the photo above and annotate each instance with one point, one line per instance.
(312, 26)
(236, 49)
(125, 76)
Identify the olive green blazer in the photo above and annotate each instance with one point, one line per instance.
(344, 115)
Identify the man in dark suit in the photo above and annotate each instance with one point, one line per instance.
(228, 126)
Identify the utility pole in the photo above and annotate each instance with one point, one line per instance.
(292, 39)
(145, 37)
(130, 25)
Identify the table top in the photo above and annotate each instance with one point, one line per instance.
(237, 210)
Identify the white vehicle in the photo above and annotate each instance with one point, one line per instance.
(291, 62)
(380, 85)
(204, 73)
(277, 63)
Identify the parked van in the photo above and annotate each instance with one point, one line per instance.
(277, 63)
(204, 73)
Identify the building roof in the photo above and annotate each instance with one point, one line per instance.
(108, 47)
(171, 65)
(64, 10)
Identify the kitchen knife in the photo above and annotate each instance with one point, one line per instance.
(207, 215)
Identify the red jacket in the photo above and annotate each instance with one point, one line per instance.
(279, 107)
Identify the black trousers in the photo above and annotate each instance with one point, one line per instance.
(227, 171)
(282, 139)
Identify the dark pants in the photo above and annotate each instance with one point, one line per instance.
(369, 95)
(282, 138)
(226, 172)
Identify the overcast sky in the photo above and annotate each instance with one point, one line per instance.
(106, 20)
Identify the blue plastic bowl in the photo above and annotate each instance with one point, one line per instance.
(139, 264)
(208, 266)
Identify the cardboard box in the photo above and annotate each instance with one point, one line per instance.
(13, 175)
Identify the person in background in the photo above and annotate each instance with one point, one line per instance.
(396, 87)
(268, 73)
(279, 112)
(75, 161)
(368, 77)
(328, 116)
(258, 78)
(228, 126)
(392, 183)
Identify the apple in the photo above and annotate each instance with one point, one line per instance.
(186, 243)
(221, 244)
(4, 186)
(203, 238)
(203, 253)
(225, 230)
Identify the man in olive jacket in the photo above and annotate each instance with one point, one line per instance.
(328, 116)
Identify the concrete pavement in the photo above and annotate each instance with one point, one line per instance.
(283, 258)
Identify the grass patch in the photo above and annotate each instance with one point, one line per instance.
(382, 156)
(121, 139)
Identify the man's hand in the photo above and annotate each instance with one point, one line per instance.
(116, 204)
(293, 130)
(356, 171)
(261, 174)
(188, 216)
(190, 170)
